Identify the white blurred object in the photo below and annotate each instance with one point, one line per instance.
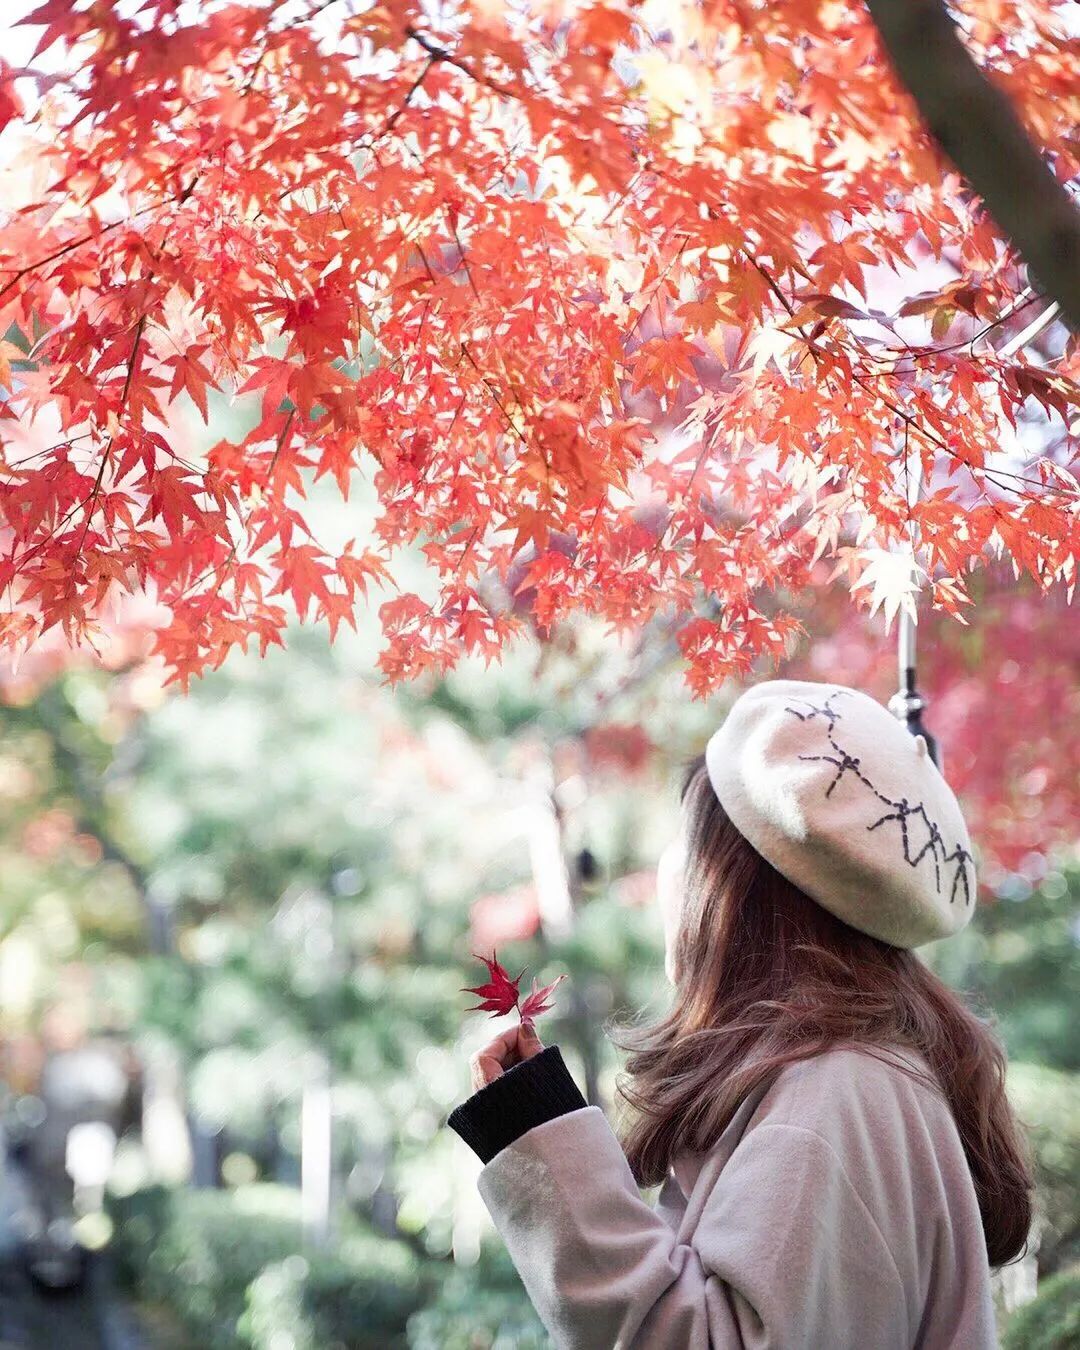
(88, 1078)
(1017, 1283)
(540, 817)
(88, 1157)
(316, 1137)
(670, 893)
(165, 1134)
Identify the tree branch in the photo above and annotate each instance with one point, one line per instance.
(974, 123)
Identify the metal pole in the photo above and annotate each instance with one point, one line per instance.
(907, 703)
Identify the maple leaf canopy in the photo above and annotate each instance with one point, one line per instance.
(644, 311)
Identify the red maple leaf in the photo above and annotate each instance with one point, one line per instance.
(537, 1001)
(501, 994)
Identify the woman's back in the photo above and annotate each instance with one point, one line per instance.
(849, 1145)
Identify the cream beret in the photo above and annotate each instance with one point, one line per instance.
(839, 797)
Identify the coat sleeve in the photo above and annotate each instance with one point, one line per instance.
(784, 1256)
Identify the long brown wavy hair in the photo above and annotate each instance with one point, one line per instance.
(764, 977)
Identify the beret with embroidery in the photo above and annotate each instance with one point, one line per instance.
(840, 798)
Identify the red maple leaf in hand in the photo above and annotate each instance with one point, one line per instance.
(500, 994)
(537, 1003)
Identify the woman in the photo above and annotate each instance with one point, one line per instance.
(840, 1166)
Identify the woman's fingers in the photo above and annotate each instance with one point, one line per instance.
(485, 1066)
(488, 1063)
(528, 1041)
(510, 1048)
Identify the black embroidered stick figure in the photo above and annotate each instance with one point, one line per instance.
(901, 810)
(841, 759)
(843, 762)
(827, 712)
(963, 857)
(904, 809)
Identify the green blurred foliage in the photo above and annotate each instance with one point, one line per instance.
(1048, 1102)
(479, 1308)
(233, 1269)
(1018, 964)
(1052, 1320)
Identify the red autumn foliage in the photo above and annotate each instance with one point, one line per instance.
(504, 916)
(622, 748)
(626, 311)
(1004, 705)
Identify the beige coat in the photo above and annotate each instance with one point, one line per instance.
(836, 1212)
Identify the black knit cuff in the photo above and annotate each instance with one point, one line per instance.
(527, 1095)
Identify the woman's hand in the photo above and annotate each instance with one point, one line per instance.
(512, 1047)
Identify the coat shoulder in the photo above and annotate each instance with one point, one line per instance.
(885, 1086)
